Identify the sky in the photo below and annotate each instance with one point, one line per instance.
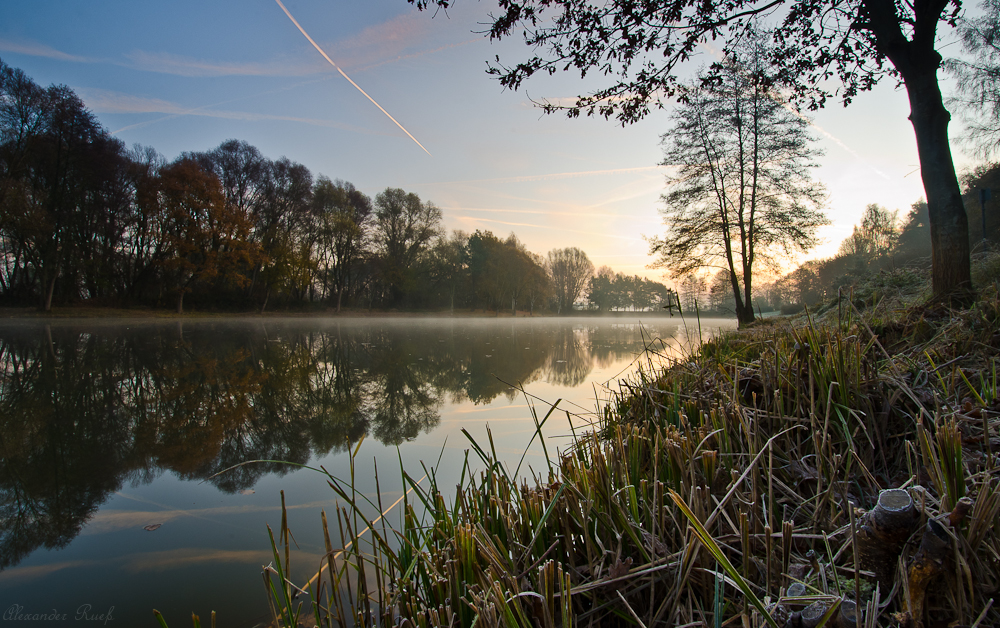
(421, 114)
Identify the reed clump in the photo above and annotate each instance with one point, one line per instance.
(842, 471)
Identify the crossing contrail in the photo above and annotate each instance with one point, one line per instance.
(336, 67)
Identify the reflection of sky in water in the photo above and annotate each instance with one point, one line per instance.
(295, 379)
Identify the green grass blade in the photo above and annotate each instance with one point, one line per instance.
(716, 551)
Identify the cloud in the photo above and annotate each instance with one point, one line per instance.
(532, 211)
(23, 574)
(553, 176)
(166, 63)
(185, 557)
(398, 38)
(36, 49)
(382, 43)
(114, 520)
(560, 228)
(106, 101)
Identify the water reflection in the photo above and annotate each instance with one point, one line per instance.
(85, 410)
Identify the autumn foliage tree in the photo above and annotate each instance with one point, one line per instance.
(208, 239)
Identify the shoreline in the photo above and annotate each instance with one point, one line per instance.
(89, 312)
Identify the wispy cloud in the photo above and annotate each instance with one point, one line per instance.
(414, 55)
(560, 228)
(533, 211)
(25, 573)
(380, 44)
(386, 40)
(36, 49)
(177, 558)
(105, 101)
(553, 176)
(166, 63)
(114, 520)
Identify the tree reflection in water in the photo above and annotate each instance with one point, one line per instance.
(85, 409)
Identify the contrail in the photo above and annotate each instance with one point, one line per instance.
(336, 67)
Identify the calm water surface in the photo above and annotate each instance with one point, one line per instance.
(107, 429)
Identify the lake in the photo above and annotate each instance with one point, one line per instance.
(116, 436)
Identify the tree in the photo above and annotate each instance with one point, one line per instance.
(599, 289)
(283, 229)
(207, 237)
(742, 191)
(570, 269)
(448, 265)
(873, 240)
(143, 244)
(489, 272)
(58, 169)
(977, 84)
(538, 286)
(344, 215)
(986, 176)
(692, 288)
(404, 227)
(523, 270)
(641, 46)
(720, 292)
(914, 241)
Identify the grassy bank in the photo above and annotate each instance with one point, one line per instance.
(748, 484)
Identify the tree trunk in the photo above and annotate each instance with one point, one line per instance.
(951, 273)
(267, 295)
(180, 302)
(917, 62)
(744, 311)
(48, 293)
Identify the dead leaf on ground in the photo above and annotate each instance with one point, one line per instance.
(620, 568)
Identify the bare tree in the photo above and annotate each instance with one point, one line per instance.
(570, 270)
(742, 191)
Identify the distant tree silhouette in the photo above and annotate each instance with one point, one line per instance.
(569, 269)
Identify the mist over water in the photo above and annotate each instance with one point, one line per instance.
(109, 429)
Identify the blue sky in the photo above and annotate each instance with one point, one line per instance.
(185, 76)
